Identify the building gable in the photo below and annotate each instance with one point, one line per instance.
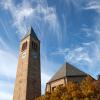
(67, 70)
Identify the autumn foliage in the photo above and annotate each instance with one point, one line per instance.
(88, 89)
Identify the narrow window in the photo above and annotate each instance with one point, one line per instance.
(53, 88)
(24, 46)
(34, 46)
(61, 85)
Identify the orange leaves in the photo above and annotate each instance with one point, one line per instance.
(88, 89)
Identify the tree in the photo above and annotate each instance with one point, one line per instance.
(97, 85)
(72, 91)
(88, 89)
(58, 93)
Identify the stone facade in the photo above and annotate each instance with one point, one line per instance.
(28, 78)
(51, 86)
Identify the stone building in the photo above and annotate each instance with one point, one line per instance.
(28, 78)
(66, 73)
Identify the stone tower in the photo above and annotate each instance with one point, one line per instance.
(28, 78)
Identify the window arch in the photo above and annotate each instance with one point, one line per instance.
(24, 46)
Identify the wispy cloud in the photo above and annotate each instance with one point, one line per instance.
(5, 63)
(73, 55)
(87, 31)
(25, 14)
(6, 90)
(93, 5)
(82, 55)
(5, 96)
(4, 27)
(77, 55)
(18, 13)
(8, 63)
(44, 79)
(2, 44)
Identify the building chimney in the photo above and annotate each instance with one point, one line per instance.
(98, 77)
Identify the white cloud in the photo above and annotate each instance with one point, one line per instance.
(60, 52)
(7, 61)
(44, 79)
(87, 31)
(25, 14)
(4, 27)
(46, 70)
(77, 55)
(6, 3)
(8, 64)
(5, 96)
(47, 63)
(19, 13)
(93, 5)
(74, 55)
(2, 43)
(87, 55)
(77, 4)
(6, 89)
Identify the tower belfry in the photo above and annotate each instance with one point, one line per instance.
(28, 78)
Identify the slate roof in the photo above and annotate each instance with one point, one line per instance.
(67, 70)
(30, 32)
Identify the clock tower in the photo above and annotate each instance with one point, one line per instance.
(28, 78)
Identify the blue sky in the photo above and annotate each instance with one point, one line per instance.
(69, 31)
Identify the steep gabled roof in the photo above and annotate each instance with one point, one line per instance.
(30, 32)
(67, 70)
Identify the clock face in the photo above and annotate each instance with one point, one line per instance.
(23, 55)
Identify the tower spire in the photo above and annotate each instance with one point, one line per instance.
(28, 78)
(30, 32)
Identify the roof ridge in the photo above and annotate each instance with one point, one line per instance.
(67, 70)
(74, 67)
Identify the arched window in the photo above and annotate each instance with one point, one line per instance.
(34, 45)
(24, 46)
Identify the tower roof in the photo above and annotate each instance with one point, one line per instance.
(67, 70)
(30, 32)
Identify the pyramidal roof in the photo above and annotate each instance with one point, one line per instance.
(67, 70)
(30, 32)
